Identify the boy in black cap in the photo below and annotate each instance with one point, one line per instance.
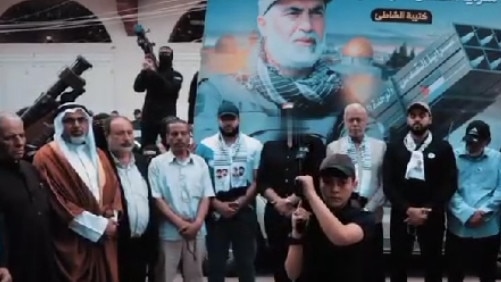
(419, 178)
(333, 244)
(473, 215)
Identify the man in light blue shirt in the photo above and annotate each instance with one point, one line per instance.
(473, 237)
(181, 184)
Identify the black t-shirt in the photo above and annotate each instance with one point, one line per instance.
(324, 262)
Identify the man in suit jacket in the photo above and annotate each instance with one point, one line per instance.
(138, 234)
(367, 154)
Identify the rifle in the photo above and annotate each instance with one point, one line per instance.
(143, 42)
(38, 118)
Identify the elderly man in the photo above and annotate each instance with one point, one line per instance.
(138, 233)
(288, 68)
(25, 210)
(367, 154)
(85, 196)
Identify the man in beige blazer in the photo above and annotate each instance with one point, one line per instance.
(367, 154)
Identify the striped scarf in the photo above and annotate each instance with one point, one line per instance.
(311, 92)
(362, 160)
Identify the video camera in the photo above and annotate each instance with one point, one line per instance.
(143, 42)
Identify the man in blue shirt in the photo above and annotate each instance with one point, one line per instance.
(473, 216)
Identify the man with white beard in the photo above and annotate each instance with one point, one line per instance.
(287, 68)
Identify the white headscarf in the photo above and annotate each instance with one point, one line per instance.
(90, 143)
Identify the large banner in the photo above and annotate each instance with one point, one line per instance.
(321, 55)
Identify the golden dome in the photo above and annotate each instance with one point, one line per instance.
(359, 47)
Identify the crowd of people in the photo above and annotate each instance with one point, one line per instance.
(80, 213)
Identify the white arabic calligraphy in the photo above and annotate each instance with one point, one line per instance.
(382, 99)
(425, 62)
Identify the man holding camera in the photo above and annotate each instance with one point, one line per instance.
(162, 84)
(332, 243)
(474, 210)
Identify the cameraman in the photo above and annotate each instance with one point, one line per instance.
(162, 84)
(332, 244)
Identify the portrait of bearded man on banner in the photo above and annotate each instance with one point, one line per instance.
(287, 66)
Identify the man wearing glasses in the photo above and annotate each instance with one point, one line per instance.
(181, 185)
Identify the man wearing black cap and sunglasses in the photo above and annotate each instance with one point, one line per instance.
(331, 244)
(419, 178)
(473, 215)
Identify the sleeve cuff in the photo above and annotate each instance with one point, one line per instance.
(89, 226)
(465, 214)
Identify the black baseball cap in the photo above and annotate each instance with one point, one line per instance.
(419, 105)
(338, 165)
(477, 131)
(228, 109)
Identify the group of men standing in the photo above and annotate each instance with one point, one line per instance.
(77, 213)
(82, 214)
(437, 194)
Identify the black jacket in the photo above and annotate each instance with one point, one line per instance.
(162, 90)
(440, 178)
(150, 237)
(26, 247)
(192, 98)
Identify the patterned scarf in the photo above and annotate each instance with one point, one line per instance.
(310, 92)
(225, 156)
(362, 159)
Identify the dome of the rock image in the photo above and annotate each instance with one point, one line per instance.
(358, 47)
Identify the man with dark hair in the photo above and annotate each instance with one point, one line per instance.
(181, 185)
(136, 123)
(474, 210)
(162, 84)
(233, 219)
(333, 244)
(24, 211)
(419, 179)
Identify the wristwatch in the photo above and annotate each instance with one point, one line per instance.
(295, 241)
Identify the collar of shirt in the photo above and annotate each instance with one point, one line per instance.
(172, 159)
(463, 153)
(229, 146)
(119, 164)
